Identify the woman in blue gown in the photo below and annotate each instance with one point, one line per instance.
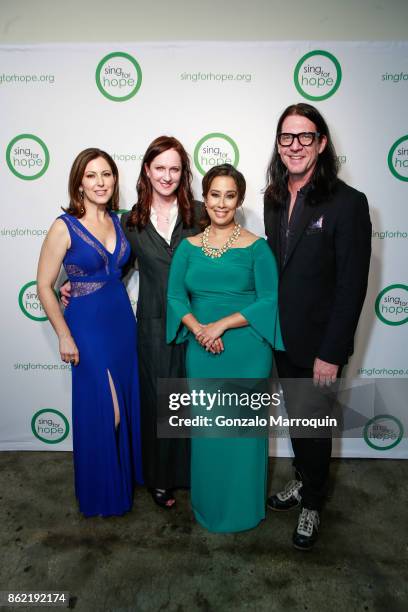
(222, 299)
(97, 335)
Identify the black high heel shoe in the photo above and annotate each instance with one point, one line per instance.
(161, 497)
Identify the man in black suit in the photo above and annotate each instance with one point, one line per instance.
(320, 232)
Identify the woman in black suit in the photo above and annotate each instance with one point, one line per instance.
(163, 215)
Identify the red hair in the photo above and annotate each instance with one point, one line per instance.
(140, 214)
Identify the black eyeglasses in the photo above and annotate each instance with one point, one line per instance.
(305, 139)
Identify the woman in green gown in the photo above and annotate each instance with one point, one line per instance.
(222, 300)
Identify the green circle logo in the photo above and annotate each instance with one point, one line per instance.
(391, 305)
(398, 158)
(118, 76)
(27, 157)
(30, 304)
(50, 426)
(213, 150)
(317, 75)
(383, 432)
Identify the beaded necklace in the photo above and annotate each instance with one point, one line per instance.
(211, 251)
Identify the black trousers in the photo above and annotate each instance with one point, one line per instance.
(312, 448)
(166, 461)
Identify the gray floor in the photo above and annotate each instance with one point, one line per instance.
(156, 560)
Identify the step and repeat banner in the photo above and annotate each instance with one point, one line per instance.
(222, 100)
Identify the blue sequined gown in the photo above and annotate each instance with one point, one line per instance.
(107, 461)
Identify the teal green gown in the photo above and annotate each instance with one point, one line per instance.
(228, 475)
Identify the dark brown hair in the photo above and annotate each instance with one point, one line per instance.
(140, 214)
(221, 170)
(76, 175)
(325, 174)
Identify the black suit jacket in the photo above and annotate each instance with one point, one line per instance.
(323, 283)
(154, 255)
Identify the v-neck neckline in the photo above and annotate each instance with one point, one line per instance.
(168, 244)
(111, 254)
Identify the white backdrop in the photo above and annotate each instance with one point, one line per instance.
(222, 100)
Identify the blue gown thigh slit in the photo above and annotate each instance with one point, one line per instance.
(107, 460)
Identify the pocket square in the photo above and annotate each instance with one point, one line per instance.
(316, 224)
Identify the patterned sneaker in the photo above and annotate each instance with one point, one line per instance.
(306, 532)
(288, 498)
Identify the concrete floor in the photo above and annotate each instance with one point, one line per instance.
(153, 560)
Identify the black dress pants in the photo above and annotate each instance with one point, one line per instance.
(312, 448)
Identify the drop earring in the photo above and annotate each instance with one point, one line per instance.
(81, 195)
(241, 214)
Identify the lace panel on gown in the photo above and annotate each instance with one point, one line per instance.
(80, 288)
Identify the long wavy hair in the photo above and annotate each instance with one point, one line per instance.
(327, 166)
(75, 207)
(140, 214)
(221, 170)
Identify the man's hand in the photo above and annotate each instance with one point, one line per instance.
(324, 374)
(65, 293)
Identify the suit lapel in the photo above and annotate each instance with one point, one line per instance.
(275, 236)
(175, 239)
(177, 232)
(301, 226)
(274, 230)
(161, 243)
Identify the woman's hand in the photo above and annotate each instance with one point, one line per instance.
(215, 344)
(65, 293)
(209, 336)
(217, 347)
(68, 350)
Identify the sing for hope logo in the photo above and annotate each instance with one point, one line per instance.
(118, 76)
(383, 432)
(398, 158)
(213, 150)
(29, 302)
(50, 426)
(317, 75)
(391, 305)
(27, 157)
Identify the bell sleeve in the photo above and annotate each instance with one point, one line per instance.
(262, 315)
(178, 300)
